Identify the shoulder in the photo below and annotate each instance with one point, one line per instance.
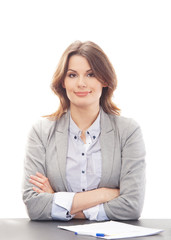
(42, 129)
(124, 126)
(120, 123)
(128, 131)
(44, 125)
(117, 123)
(45, 128)
(123, 123)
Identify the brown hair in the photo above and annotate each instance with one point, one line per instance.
(102, 69)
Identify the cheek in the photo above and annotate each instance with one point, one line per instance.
(98, 89)
(100, 92)
(67, 86)
(69, 91)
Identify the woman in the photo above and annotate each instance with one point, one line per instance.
(85, 160)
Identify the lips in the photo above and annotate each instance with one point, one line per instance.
(82, 94)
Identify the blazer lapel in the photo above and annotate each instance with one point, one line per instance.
(107, 148)
(61, 137)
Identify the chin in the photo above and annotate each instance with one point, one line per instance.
(82, 105)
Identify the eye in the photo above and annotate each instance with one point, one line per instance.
(91, 75)
(72, 75)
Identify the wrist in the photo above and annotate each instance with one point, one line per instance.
(102, 195)
(108, 194)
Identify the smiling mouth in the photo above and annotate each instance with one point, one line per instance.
(82, 94)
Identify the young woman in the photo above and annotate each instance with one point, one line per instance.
(85, 160)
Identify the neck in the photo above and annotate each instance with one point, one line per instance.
(84, 117)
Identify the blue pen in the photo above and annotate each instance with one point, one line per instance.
(91, 234)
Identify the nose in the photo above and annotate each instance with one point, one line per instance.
(81, 82)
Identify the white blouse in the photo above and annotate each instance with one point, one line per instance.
(83, 172)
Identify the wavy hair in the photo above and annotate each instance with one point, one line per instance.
(102, 69)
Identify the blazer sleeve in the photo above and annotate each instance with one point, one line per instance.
(38, 205)
(129, 204)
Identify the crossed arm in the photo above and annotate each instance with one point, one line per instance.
(123, 204)
(82, 200)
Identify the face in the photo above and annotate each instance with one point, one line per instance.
(82, 87)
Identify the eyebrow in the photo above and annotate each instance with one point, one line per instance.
(76, 71)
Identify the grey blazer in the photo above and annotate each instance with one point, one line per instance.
(123, 165)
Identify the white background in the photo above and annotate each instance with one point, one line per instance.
(136, 37)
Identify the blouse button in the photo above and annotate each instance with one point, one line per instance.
(82, 154)
(75, 137)
(94, 137)
(83, 189)
(83, 171)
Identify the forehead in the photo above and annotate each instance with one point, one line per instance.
(78, 63)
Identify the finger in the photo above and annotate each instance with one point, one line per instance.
(37, 190)
(36, 183)
(37, 179)
(40, 175)
(44, 180)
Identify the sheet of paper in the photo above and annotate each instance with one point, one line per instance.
(112, 230)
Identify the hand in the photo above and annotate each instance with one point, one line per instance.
(79, 215)
(41, 182)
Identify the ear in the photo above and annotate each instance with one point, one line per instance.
(105, 84)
